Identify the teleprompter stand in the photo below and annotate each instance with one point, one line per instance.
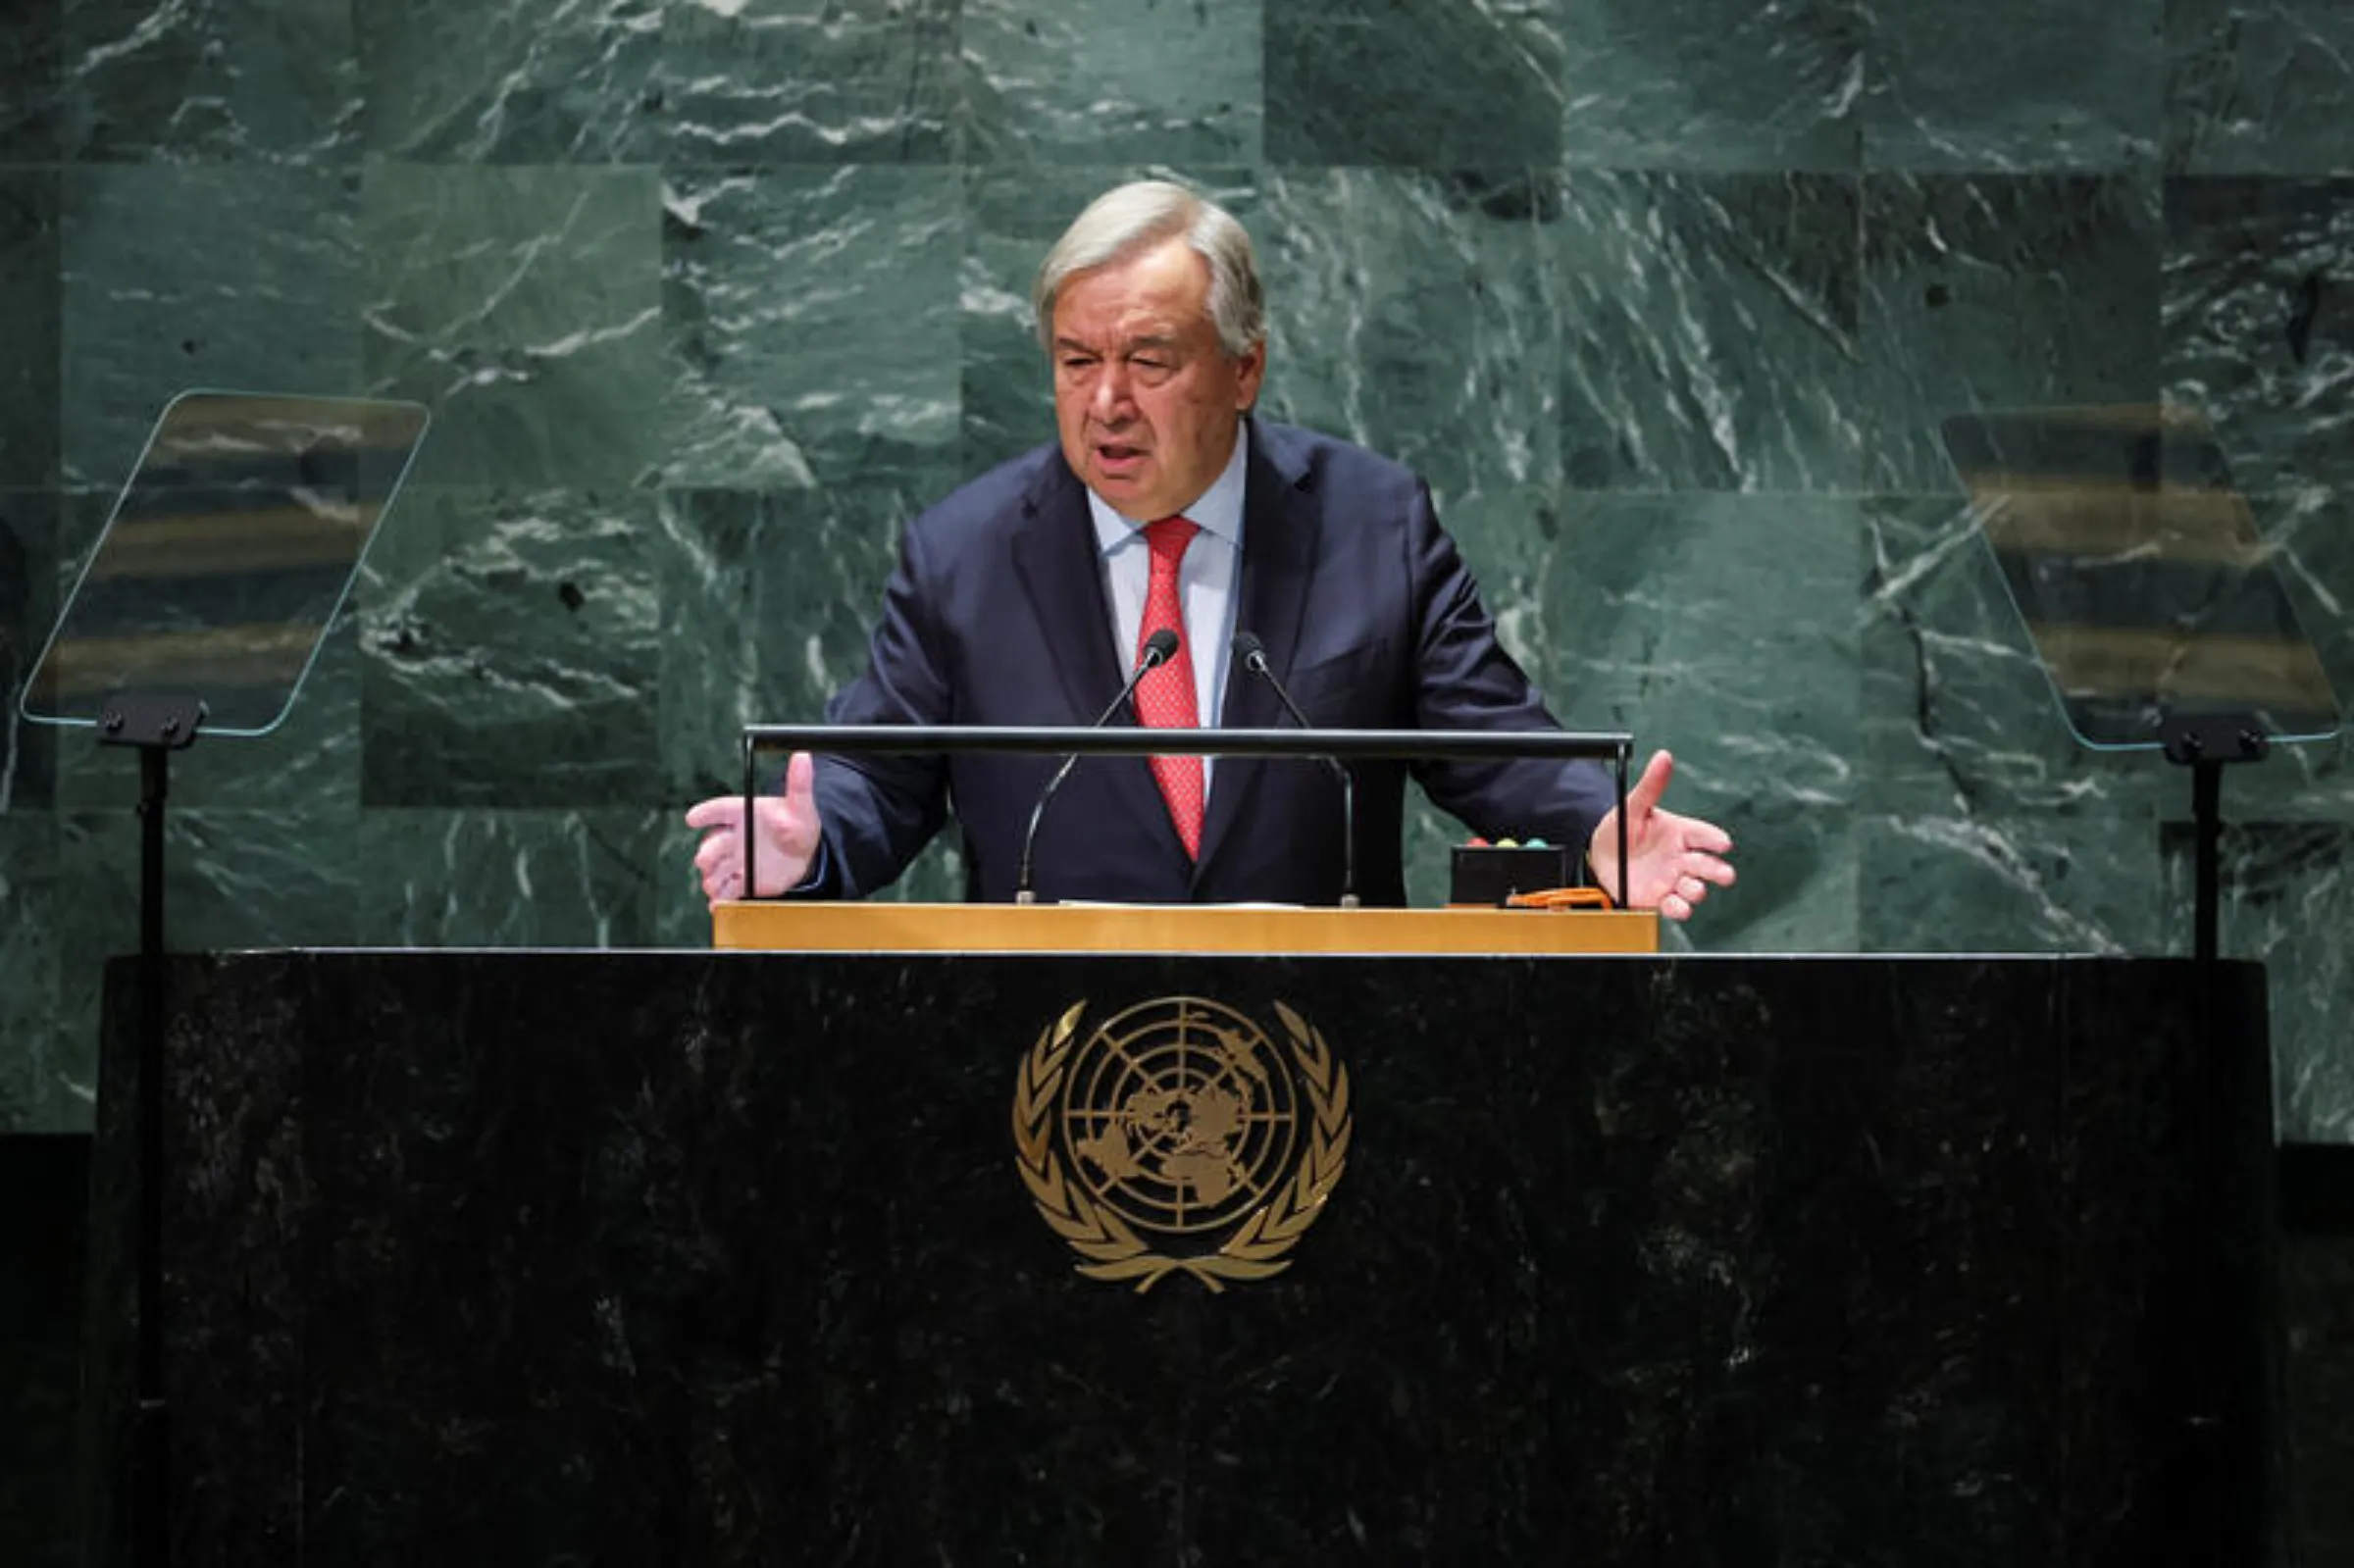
(2205, 744)
(230, 552)
(2150, 596)
(157, 727)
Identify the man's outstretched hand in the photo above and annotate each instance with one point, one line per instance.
(788, 826)
(1672, 861)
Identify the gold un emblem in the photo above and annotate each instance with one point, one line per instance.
(1179, 1125)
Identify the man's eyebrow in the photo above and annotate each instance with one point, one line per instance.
(1072, 345)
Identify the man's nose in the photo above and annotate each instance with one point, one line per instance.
(1111, 390)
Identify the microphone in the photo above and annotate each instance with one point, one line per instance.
(1252, 655)
(1159, 648)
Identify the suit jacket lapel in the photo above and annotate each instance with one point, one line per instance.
(1281, 532)
(1062, 574)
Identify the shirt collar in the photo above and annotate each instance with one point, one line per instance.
(1218, 510)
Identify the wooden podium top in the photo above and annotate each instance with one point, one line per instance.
(882, 928)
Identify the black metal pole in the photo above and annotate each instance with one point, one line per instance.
(156, 726)
(2203, 742)
(1626, 760)
(150, 1529)
(751, 840)
(2207, 828)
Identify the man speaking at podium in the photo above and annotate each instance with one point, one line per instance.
(1174, 561)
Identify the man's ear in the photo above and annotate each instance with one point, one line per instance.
(1249, 369)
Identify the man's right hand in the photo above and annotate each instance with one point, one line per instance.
(788, 826)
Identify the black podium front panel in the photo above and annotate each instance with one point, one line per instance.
(654, 1258)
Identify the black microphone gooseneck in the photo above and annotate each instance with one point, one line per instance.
(1159, 648)
(1252, 655)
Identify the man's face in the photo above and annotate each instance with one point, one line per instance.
(1143, 395)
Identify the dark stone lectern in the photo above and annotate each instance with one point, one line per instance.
(727, 1258)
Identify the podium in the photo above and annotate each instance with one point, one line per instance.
(741, 1258)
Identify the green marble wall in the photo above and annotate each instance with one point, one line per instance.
(707, 296)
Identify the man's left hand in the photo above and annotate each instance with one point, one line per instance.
(1672, 861)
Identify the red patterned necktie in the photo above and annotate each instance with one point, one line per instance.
(1164, 699)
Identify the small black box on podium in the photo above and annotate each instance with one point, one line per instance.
(1487, 875)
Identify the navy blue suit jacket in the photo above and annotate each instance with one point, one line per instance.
(997, 615)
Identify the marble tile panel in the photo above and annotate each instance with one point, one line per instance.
(2013, 86)
(448, 81)
(1419, 83)
(1076, 83)
(38, 1093)
(232, 81)
(509, 649)
(234, 877)
(181, 275)
(809, 320)
(507, 879)
(1722, 628)
(1710, 331)
(1999, 292)
(523, 306)
(1418, 316)
(1962, 883)
(31, 242)
(2258, 322)
(1430, 838)
(681, 917)
(2260, 88)
(770, 599)
(28, 610)
(1713, 86)
(31, 43)
(2286, 897)
(1958, 719)
(745, 82)
(1012, 217)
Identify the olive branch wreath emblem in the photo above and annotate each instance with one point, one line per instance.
(1257, 1247)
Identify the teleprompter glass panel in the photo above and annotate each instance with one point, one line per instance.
(226, 556)
(2138, 571)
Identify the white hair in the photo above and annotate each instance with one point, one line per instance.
(1134, 217)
